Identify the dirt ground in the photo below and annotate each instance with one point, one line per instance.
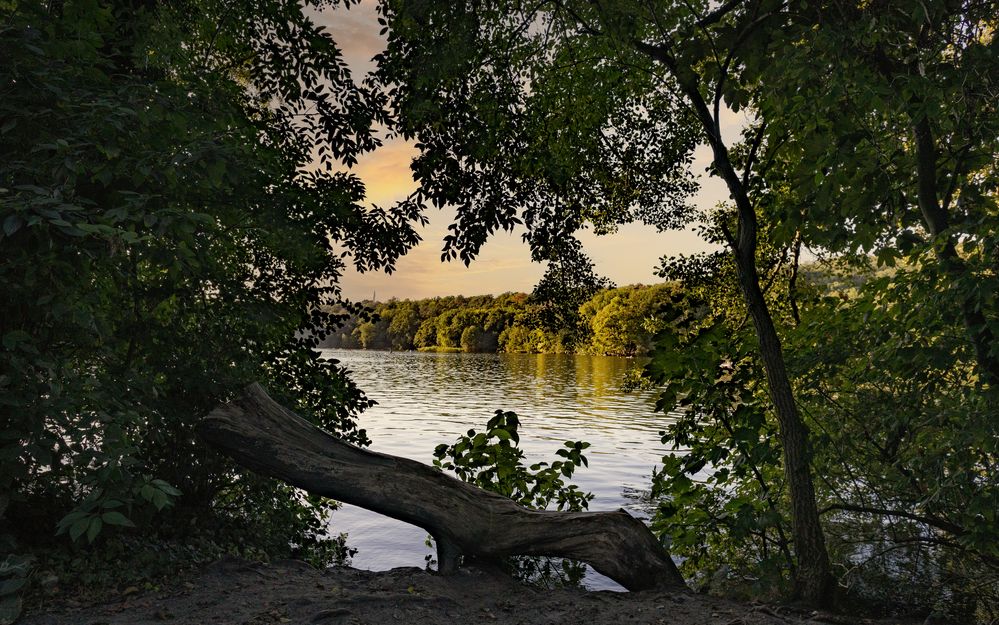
(238, 592)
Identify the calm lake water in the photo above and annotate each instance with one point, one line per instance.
(425, 399)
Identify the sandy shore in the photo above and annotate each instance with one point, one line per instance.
(238, 592)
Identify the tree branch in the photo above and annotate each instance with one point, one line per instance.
(940, 524)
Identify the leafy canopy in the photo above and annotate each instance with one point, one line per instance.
(174, 216)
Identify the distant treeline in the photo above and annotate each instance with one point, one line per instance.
(618, 321)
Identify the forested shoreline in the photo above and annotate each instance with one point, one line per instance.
(613, 322)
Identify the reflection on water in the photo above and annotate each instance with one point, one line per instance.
(425, 399)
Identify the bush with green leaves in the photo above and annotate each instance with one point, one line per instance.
(173, 223)
(903, 443)
(721, 505)
(494, 461)
(907, 442)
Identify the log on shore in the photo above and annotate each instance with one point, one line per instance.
(270, 439)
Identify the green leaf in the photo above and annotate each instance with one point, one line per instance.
(68, 520)
(12, 224)
(166, 488)
(160, 500)
(94, 528)
(79, 527)
(117, 518)
(501, 434)
(15, 337)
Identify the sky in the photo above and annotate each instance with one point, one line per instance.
(629, 256)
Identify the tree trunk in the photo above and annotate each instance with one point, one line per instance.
(268, 438)
(813, 575)
(937, 221)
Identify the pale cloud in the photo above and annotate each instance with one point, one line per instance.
(633, 253)
(355, 30)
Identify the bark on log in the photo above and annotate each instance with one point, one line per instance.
(268, 438)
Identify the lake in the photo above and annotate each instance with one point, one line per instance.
(425, 399)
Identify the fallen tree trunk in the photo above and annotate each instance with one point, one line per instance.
(266, 437)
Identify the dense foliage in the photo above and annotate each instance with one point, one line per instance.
(494, 461)
(887, 167)
(840, 429)
(171, 228)
(616, 321)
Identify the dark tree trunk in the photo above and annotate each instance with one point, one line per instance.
(937, 221)
(813, 575)
(268, 438)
